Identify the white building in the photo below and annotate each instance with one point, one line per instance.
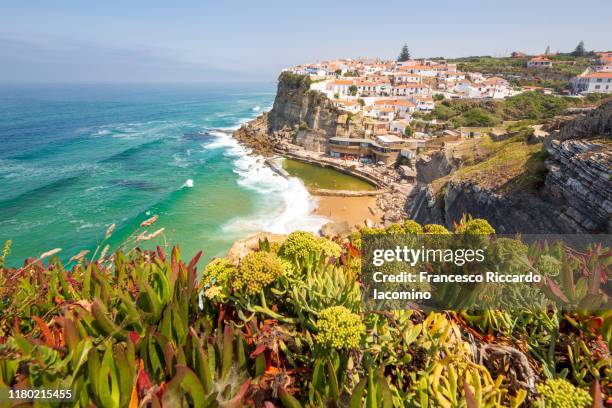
(406, 78)
(339, 87)
(592, 82)
(424, 103)
(409, 90)
(539, 62)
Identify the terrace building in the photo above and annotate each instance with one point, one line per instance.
(384, 149)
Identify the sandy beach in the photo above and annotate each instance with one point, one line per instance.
(353, 210)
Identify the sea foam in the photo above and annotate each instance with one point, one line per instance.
(285, 204)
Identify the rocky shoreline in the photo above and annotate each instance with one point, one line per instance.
(574, 196)
(392, 192)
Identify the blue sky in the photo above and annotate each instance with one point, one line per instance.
(199, 40)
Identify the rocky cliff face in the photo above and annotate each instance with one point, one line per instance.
(579, 174)
(299, 115)
(438, 164)
(597, 122)
(576, 196)
(296, 106)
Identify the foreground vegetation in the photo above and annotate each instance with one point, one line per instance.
(285, 326)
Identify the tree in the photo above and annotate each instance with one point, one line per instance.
(405, 54)
(408, 131)
(352, 90)
(547, 52)
(579, 51)
(438, 97)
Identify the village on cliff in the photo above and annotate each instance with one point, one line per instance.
(442, 138)
(392, 95)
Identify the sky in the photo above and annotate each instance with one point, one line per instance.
(250, 41)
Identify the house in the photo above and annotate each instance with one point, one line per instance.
(423, 103)
(468, 89)
(399, 126)
(496, 87)
(375, 127)
(592, 82)
(539, 62)
(409, 89)
(404, 108)
(604, 58)
(451, 75)
(406, 78)
(347, 105)
(340, 86)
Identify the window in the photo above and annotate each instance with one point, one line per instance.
(597, 86)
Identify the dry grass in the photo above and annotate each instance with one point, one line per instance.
(500, 166)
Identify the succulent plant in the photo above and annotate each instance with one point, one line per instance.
(560, 393)
(139, 328)
(339, 328)
(476, 226)
(299, 245)
(412, 227)
(435, 229)
(256, 271)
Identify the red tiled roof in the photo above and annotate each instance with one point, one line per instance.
(599, 75)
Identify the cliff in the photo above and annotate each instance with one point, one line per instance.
(299, 116)
(296, 106)
(565, 188)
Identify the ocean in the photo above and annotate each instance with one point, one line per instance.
(75, 159)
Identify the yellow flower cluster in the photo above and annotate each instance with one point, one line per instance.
(256, 271)
(561, 394)
(299, 244)
(217, 272)
(214, 293)
(412, 227)
(329, 248)
(339, 328)
(435, 229)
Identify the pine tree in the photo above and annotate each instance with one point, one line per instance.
(405, 54)
(579, 51)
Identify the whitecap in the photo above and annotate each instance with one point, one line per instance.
(188, 183)
(285, 205)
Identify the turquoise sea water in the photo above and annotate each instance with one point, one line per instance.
(76, 158)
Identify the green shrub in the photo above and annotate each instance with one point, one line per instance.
(475, 226)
